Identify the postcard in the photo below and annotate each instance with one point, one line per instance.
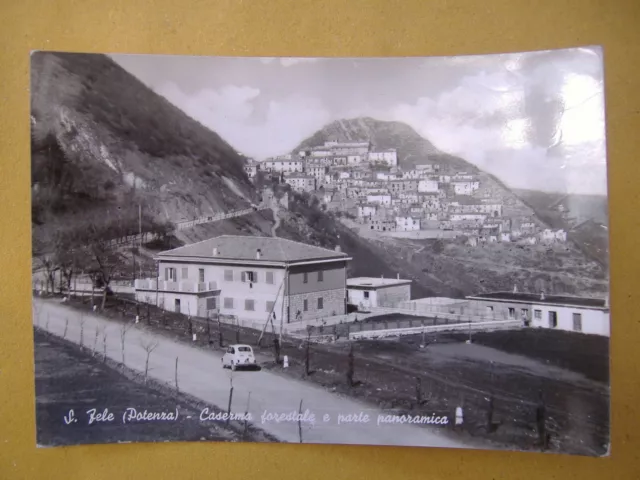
(365, 251)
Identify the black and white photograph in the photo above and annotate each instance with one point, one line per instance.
(369, 251)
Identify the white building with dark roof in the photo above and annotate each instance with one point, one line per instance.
(249, 278)
(558, 312)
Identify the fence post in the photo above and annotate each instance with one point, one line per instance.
(300, 421)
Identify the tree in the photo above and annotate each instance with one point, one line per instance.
(44, 260)
(148, 346)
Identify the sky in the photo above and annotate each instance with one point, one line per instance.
(535, 120)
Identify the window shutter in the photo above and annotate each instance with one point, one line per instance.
(255, 277)
(242, 277)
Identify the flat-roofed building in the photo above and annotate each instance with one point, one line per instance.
(371, 292)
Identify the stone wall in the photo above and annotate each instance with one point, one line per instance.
(333, 304)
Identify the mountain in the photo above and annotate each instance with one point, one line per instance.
(584, 217)
(412, 148)
(102, 140)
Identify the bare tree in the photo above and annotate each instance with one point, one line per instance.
(83, 321)
(148, 346)
(44, 252)
(95, 340)
(104, 345)
(124, 328)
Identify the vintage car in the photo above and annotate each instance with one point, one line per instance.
(238, 356)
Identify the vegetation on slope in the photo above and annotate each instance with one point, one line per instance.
(584, 217)
(99, 133)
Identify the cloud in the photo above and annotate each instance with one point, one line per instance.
(532, 119)
(488, 120)
(229, 112)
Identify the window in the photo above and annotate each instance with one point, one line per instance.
(512, 312)
(201, 275)
(577, 322)
(170, 274)
(320, 303)
(537, 314)
(320, 276)
(177, 305)
(305, 277)
(185, 273)
(270, 278)
(489, 310)
(249, 305)
(305, 305)
(228, 275)
(366, 294)
(211, 303)
(251, 277)
(269, 306)
(524, 313)
(553, 319)
(228, 302)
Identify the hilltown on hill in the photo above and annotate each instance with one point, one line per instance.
(428, 201)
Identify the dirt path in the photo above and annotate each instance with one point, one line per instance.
(201, 375)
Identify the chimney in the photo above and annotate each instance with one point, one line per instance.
(542, 295)
(215, 251)
(258, 254)
(398, 276)
(515, 288)
(338, 249)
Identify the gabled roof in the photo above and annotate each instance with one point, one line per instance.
(240, 247)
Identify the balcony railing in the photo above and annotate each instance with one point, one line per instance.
(171, 286)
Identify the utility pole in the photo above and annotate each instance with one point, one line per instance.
(285, 294)
(140, 232)
(133, 256)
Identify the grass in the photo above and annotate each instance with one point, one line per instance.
(580, 353)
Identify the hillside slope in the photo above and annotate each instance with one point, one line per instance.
(584, 217)
(102, 140)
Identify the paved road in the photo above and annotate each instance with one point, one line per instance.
(201, 375)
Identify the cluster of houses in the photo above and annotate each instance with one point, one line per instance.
(359, 179)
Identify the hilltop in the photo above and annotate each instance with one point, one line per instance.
(413, 149)
(102, 140)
